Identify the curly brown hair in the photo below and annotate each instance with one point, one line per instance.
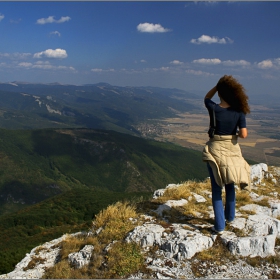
(233, 93)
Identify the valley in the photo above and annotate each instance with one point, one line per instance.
(190, 130)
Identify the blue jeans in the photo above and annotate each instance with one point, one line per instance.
(220, 213)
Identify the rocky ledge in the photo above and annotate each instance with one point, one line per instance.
(171, 248)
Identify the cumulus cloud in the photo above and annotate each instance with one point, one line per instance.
(151, 28)
(143, 61)
(51, 19)
(265, 64)
(55, 33)
(208, 61)
(57, 53)
(176, 62)
(236, 63)
(211, 40)
(1, 17)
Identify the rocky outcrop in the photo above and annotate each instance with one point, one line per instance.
(81, 258)
(170, 248)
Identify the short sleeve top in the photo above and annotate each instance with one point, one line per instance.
(227, 119)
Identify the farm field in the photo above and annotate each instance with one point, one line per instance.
(190, 130)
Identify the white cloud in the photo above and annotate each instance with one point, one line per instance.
(199, 73)
(211, 40)
(208, 61)
(15, 56)
(44, 65)
(143, 61)
(277, 61)
(96, 70)
(151, 28)
(265, 64)
(176, 62)
(63, 19)
(57, 53)
(99, 70)
(236, 63)
(55, 33)
(1, 17)
(25, 64)
(51, 19)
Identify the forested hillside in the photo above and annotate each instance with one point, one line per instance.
(38, 164)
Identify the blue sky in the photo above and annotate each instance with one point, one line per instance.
(185, 45)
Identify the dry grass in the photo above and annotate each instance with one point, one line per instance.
(184, 190)
(242, 198)
(115, 221)
(61, 270)
(192, 208)
(119, 261)
(264, 202)
(197, 209)
(73, 244)
(175, 193)
(34, 261)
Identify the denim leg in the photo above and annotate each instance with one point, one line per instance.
(230, 202)
(217, 202)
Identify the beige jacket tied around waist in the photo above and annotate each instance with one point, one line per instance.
(224, 155)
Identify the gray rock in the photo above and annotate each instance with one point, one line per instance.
(146, 235)
(169, 204)
(158, 193)
(257, 172)
(262, 246)
(82, 257)
(199, 198)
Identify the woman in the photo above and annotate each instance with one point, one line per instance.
(222, 152)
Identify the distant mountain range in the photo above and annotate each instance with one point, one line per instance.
(99, 106)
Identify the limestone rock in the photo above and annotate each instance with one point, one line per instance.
(262, 246)
(169, 204)
(258, 172)
(82, 257)
(146, 235)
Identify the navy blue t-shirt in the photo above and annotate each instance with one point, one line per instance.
(227, 119)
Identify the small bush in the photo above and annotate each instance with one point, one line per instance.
(124, 259)
(115, 221)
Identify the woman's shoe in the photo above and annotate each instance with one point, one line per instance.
(217, 231)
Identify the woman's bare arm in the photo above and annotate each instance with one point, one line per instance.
(243, 133)
(211, 93)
